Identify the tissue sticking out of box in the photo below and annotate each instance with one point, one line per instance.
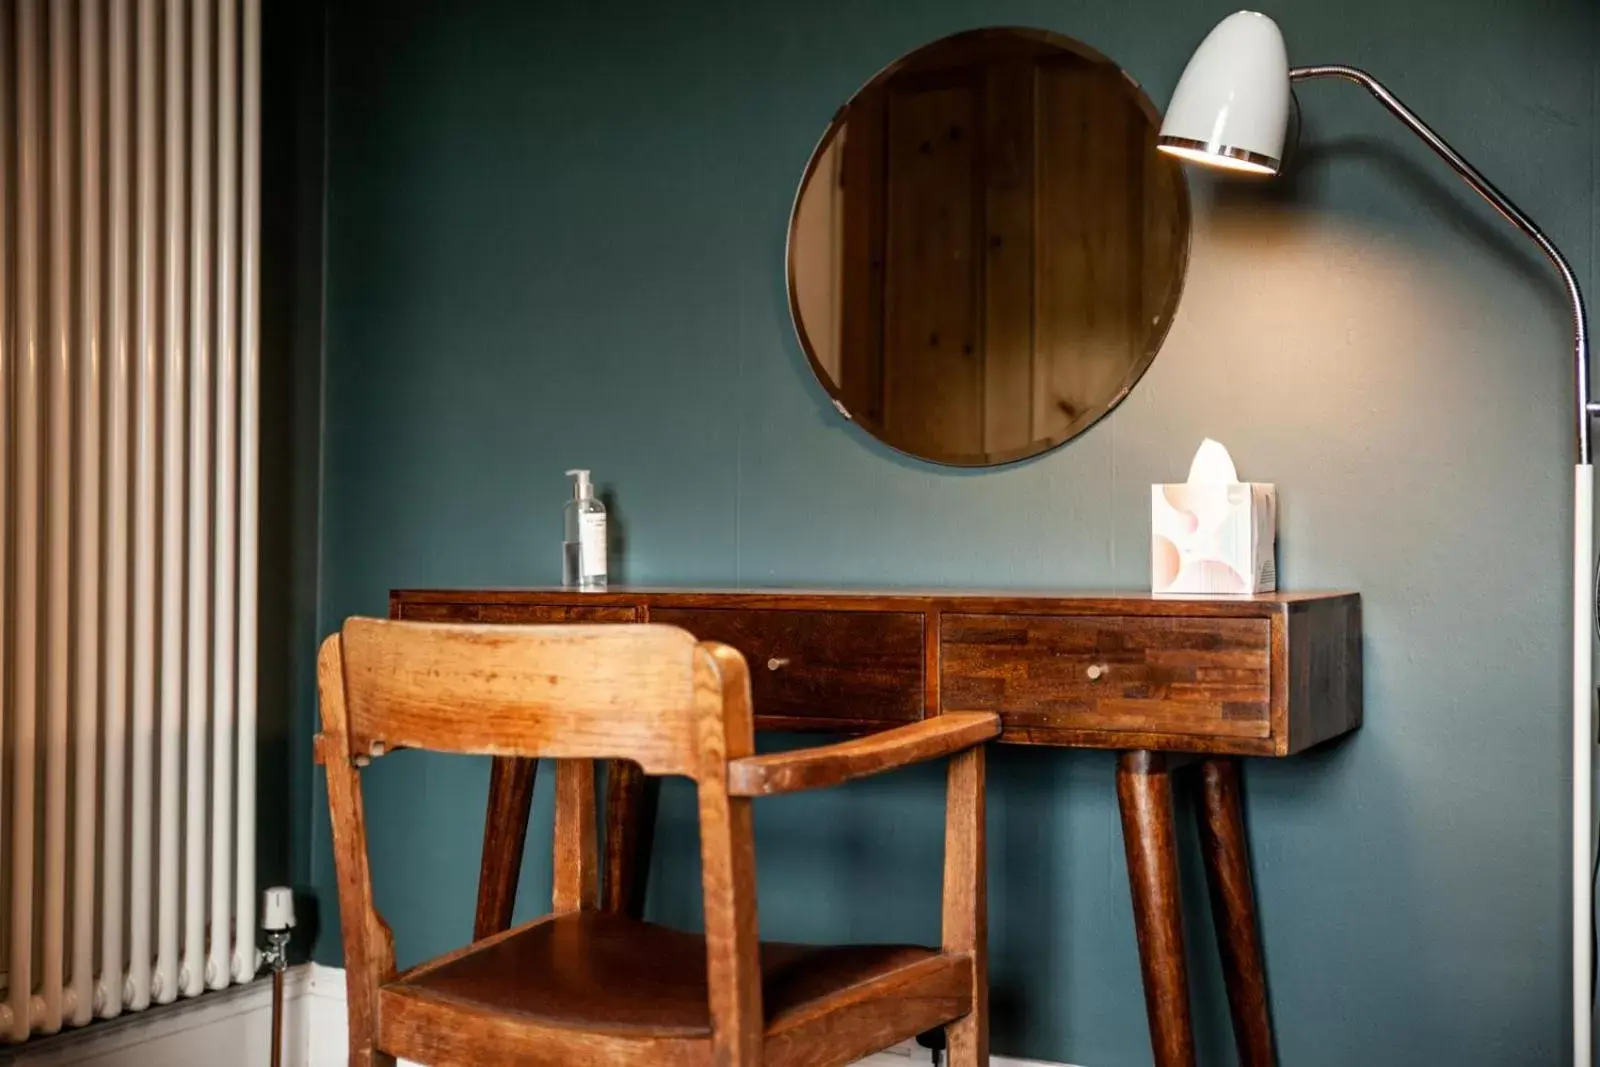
(1213, 533)
(1212, 465)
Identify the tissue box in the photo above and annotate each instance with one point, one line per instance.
(1213, 533)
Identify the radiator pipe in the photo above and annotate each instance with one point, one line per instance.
(25, 655)
(7, 360)
(249, 480)
(197, 550)
(169, 886)
(57, 507)
(86, 607)
(277, 1017)
(277, 919)
(114, 688)
(147, 422)
(219, 964)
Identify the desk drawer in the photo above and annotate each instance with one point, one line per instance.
(1132, 674)
(517, 614)
(819, 669)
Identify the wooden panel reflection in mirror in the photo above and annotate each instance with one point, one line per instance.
(987, 250)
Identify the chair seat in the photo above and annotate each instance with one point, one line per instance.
(601, 973)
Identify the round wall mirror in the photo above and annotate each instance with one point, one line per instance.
(987, 249)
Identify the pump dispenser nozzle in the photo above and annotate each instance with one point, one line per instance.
(582, 489)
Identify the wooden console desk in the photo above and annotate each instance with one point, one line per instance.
(1164, 681)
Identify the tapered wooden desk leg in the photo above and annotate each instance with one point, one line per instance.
(631, 797)
(1233, 910)
(1144, 791)
(505, 830)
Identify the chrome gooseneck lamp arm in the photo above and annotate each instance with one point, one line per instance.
(1230, 111)
(1586, 410)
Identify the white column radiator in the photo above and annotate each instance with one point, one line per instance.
(129, 457)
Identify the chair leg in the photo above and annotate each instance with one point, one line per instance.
(966, 908)
(364, 1045)
(364, 1050)
(371, 1058)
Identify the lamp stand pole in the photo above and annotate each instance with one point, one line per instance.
(1583, 608)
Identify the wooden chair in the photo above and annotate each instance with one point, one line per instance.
(582, 986)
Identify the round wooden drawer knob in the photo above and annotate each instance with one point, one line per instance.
(1096, 672)
(775, 663)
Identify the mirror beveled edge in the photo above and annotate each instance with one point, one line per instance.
(1157, 336)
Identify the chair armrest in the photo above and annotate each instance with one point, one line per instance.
(830, 765)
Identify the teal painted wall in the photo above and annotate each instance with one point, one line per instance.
(291, 340)
(293, 112)
(555, 238)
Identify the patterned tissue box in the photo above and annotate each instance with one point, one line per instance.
(1213, 533)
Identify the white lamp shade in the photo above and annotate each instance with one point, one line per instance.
(1232, 104)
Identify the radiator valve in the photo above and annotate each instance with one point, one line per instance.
(277, 919)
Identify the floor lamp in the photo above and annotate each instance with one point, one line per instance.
(1230, 110)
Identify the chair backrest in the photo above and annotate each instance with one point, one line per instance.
(641, 692)
(575, 693)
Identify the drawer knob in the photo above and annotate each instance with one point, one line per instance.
(777, 663)
(1096, 671)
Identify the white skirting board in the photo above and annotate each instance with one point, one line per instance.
(235, 1028)
(231, 1027)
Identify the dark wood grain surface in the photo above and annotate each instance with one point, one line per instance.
(513, 614)
(583, 971)
(1144, 792)
(821, 766)
(1151, 674)
(819, 666)
(965, 919)
(1233, 909)
(1165, 680)
(1265, 675)
(1322, 664)
(505, 833)
(573, 981)
(591, 986)
(630, 818)
(629, 800)
(1064, 601)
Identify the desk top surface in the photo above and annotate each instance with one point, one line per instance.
(886, 596)
(1247, 675)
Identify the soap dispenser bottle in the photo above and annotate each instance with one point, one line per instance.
(584, 549)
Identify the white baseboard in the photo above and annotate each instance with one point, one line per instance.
(235, 1028)
(186, 1034)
